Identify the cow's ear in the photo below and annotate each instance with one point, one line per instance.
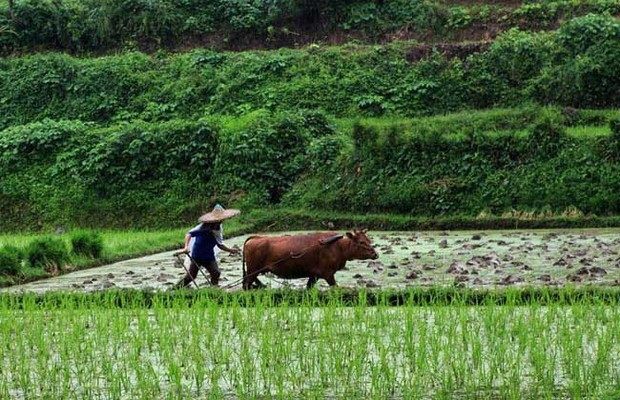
(350, 235)
(364, 230)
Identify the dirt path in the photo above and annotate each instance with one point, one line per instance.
(463, 258)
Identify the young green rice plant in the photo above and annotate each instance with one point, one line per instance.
(149, 345)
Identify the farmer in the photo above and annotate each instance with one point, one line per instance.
(201, 243)
(218, 233)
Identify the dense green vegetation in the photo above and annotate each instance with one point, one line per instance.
(99, 25)
(436, 296)
(525, 123)
(389, 114)
(574, 66)
(164, 174)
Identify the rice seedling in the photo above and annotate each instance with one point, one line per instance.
(134, 345)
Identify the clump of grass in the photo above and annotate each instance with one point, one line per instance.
(49, 253)
(569, 212)
(10, 260)
(88, 244)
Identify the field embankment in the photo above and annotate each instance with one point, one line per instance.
(543, 161)
(574, 66)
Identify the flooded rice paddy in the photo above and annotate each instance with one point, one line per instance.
(468, 259)
(334, 352)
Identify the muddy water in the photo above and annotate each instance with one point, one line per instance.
(463, 258)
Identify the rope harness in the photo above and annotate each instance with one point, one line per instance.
(321, 242)
(291, 255)
(303, 252)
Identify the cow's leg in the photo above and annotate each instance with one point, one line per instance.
(331, 280)
(248, 280)
(258, 284)
(251, 281)
(311, 281)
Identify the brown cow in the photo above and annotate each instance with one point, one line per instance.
(312, 256)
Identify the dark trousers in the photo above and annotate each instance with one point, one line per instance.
(211, 266)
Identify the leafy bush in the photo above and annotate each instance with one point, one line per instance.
(536, 15)
(580, 34)
(345, 81)
(143, 174)
(610, 145)
(614, 125)
(10, 260)
(501, 162)
(24, 145)
(589, 81)
(88, 244)
(94, 25)
(49, 253)
(548, 134)
(584, 69)
(517, 56)
(264, 153)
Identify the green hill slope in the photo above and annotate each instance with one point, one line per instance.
(472, 108)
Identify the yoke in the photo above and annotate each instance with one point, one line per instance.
(330, 239)
(322, 242)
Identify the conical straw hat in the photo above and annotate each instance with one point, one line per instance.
(219, 214)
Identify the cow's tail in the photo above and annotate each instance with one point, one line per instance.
(243, 262)
(243, 270)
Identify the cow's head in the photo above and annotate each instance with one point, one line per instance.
(361, 248)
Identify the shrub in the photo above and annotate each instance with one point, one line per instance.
(49, 253)
(580, 34)
(10, 260)
(548, 134)
(614, 125)
(88, 244)
(611, 143)
(517, 56)
(263, 153)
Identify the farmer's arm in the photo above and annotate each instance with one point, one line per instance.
(226, 248)
(187, 239)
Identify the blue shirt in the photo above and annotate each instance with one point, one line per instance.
(202, 250)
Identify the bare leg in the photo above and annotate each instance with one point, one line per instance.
(311, 281)
(214, 271)
(189, 278)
